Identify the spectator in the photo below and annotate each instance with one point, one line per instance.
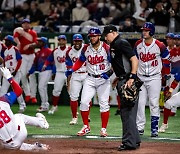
(10, 4)
(101, 13)
(35, 14)
(64, 14)
(142, 11)
(79, 13)
(44, 7)
(92, 7)
(8, 22)
(128, 25)
(174, 25)
(160, 18)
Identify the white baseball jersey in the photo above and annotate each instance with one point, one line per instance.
(11, 57)
(97, 61)
(60, 58)
(150, 57)
(72, 56)
(8, 126)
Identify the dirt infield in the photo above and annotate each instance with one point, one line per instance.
(82, 146)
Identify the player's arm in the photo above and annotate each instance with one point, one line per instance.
(19, 61)
(17, 90)
(48, 61)
(16, 39)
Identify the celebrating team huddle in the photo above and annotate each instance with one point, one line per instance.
(87, 68)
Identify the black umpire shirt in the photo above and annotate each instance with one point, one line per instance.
(121, 53)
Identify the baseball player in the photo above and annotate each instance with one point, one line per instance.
(75, 82)
(26, 40)
(13, 131)
(175, 60)
(97, 58)
(44, 72)
(12, 61)
(58, 58)
(150, 53)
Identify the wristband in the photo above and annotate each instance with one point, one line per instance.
(132, 76)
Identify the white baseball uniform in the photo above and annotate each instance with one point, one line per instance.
(78, 77)
(149, 71)
(11, 57)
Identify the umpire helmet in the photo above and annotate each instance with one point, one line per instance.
(149, 27)
(77, 37)
(9, 37)
(94, 31)
(170, 35)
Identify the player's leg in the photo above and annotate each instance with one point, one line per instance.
(44, 77)
(5, 86)
(59, 81)
(141, 118)
(20, 99)
(103, 92)
(169, 104)
(33, 87)
(88, 92)
(154, 94)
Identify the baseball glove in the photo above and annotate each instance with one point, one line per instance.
(131, 94)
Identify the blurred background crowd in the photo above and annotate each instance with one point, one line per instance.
(127, 15)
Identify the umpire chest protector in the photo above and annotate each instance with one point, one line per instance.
(121, 52)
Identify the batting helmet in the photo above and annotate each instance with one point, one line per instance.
(9, 37)
(77, 37)
(94, 31)
(149, 27)
(43, 39)
(170, 35)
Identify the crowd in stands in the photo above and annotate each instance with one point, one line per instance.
(128, 15)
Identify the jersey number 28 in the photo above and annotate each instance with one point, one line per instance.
(5, 118)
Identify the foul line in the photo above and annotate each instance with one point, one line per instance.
(96, 137)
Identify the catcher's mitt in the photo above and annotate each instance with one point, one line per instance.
(131, 94)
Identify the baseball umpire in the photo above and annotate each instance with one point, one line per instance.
(125, 64)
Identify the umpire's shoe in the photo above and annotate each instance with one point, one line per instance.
(123, 147)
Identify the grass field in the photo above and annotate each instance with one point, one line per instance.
(59, 123)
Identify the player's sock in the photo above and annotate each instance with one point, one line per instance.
(166, 115)
(74, 106)
(104, 118)
(119, 102)
(154, 124)
(85, 115)
(55, 100)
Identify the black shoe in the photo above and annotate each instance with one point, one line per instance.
(125, 147)
(138, 145)
(154, 135)
(117, 112)
(141, 132)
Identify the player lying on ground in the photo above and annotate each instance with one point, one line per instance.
(13, 131)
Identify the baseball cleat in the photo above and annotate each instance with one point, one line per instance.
(42, 109)
(74, 121)
(42, 119)
(27, 99)
(22, 109)
(33, 100)
(85, 130)
(141, 132)
(53, 109)
(103, 132)
(39, 146)
(163, 128)
(154, 135)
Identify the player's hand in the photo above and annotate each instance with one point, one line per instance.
(53, 76)
(43, 68)
(129, 83)
(167, 96)
(6, 73)
(27, 75)
(26, 47)
(104, 76)
(115, 82)
(69, 72)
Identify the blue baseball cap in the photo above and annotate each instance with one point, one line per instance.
(9, 37)
(62, 37)
(25, 20)
(177, 36)
(169, 35)
(77, 37)
(43, 39)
